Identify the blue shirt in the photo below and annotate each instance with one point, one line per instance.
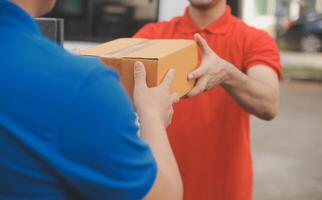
(67, 128)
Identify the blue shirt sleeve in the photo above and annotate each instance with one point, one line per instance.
(99, 152)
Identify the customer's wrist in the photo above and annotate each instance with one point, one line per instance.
(149, 115)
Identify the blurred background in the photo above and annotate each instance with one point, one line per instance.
(287, 152)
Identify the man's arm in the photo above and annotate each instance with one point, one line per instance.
(257, 91)
(152, 105)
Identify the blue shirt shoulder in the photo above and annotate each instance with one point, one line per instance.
(67, 127)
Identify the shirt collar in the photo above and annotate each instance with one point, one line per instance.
(220, 26)
(13, 16)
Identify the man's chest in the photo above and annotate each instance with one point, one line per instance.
(227, 46)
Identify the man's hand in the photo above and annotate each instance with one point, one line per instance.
(213, 70)
(257, 91)
(154, 102)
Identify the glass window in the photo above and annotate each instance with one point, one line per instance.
(102, 20)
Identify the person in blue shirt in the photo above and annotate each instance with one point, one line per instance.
(67, 127)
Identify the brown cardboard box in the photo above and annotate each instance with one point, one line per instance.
(158, 57)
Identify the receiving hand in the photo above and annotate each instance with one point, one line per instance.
(153, 102)
(213, 70)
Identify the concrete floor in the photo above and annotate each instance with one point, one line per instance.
(287, 152)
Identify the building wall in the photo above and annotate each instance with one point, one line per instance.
(254, 14)
(171, 8)
(145, 10)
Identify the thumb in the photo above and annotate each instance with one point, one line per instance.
(199, 72)
(139, 75)
(200, 87)
(202, 43)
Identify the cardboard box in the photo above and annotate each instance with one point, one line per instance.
(158, 57)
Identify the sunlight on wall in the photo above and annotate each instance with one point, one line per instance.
(171, 8)
(248, 10)
(260, 18)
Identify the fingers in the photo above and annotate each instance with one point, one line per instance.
(170, 116)
(168, 79)
(199, 72)
(202, 43)
(139, 75)
(76, 51)
(200, 87)
(175, 98)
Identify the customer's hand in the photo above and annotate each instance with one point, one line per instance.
(76, 51)
(213, 70)
(153, 102)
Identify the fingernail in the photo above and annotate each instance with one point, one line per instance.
(190, 76)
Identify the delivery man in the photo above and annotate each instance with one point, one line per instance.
(238, 76)
(67, 128)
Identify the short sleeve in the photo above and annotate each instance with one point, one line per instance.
(99, 153)
(261, 49)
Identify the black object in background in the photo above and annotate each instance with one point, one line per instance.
(235, 7)
(104, 20)
(52, 28)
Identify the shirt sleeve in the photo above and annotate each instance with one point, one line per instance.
(261, 49)
(99, 152)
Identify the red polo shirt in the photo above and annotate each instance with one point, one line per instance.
(210, 132)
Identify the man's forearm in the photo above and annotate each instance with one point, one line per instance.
(257, 97)
(257, 92)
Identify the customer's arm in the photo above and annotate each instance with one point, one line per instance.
(154, 106)
(99, 153)
(257, 91)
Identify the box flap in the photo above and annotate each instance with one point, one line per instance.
(138, 48)
(156, 49)
(116, 45)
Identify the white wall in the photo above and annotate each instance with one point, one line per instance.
(171, 8)
(319, 6)
(143, 9)
(265, 21)
(248, 10)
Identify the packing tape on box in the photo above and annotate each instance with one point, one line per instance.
(130, 49)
